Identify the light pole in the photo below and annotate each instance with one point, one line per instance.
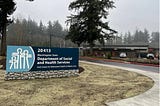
(50, 42)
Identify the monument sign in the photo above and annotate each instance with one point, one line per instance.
(31, 59)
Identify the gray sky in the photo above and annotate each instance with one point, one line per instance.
(128, 15)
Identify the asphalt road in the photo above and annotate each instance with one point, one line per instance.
(127, 65)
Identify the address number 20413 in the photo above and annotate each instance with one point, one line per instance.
(44, 50)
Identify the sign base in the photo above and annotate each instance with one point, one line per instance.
(41, 74)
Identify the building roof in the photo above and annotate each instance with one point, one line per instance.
(130, 47)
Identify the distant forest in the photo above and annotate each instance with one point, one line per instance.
(139, 37)
(30, 33)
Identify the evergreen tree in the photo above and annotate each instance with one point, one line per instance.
(50, 28)
(7, 7)
(146, 36)
(41, 28)
(155, 39)
(57, 29)
(87, 25)
(136, 36)
(129, 38)
(125, 39)
(141, 37)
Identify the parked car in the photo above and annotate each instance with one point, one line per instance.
(150, 56)
(123, 55)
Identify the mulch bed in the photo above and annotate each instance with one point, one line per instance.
(81, 69)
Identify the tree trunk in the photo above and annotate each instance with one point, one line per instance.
(91, 49)
(3, 41)
(78, 44)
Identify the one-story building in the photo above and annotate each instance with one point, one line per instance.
(115, 50)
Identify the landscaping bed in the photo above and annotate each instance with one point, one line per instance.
(142, 61)
(95, 86)
(139, 60)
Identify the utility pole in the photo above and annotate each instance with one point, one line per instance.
(62, 43)
(50, 43)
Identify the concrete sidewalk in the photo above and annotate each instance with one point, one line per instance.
(149, 98)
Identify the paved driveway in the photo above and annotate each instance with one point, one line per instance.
(127, 65)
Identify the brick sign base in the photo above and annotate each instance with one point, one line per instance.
(41, 74)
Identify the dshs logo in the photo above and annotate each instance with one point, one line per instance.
(19, 58)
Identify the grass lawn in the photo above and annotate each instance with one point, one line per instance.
(95, 86)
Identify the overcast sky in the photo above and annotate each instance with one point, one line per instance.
(128, 15)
